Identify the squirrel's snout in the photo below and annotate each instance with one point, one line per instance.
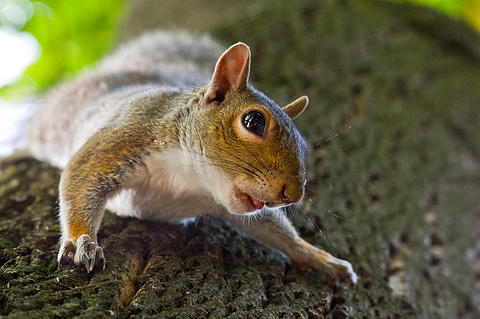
(292, 192)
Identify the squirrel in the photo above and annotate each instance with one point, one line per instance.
(152, 134)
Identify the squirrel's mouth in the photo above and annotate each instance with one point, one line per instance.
(250, 202)
(255, 202)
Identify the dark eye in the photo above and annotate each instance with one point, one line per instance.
(255, 122)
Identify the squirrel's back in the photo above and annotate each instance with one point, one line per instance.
(151, 64)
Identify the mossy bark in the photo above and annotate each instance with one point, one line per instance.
(394, 167)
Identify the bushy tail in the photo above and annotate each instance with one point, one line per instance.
(179, 58)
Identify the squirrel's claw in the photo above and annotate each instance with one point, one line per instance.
(316, 259)
(86, 253)
(66, 253)
(341, 269)
(100, 259)
(334, 268)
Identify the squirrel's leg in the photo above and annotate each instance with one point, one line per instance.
(80, 217)
(94, 174)
(274, 229)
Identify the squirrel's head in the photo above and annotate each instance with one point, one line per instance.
(255, 149)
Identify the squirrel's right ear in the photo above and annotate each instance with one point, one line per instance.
(297, 107)
(231, 72)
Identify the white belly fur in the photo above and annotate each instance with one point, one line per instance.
(159, 205)
(164, 190)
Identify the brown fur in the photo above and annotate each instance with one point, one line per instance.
(127, 121)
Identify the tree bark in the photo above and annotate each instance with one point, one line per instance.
(393, 167)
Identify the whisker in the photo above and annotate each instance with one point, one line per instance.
(256, 157)
(327, 140)
(226, 164)
(230, 165)
(317, 228)
(197, 220)
(342, 132)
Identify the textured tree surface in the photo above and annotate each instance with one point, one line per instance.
(393, 168)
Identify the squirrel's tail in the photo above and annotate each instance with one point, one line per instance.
(177, 57)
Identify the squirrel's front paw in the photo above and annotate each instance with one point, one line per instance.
(334, 268)
(86, 252)
(308, 256)
(340, 269)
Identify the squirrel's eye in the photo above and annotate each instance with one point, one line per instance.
(255, 122)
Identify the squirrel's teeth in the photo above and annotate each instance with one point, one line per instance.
(257, 203)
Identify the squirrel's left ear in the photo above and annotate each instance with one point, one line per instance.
(231, 72)
(297, 107)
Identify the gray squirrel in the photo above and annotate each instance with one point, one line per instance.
(151, 133)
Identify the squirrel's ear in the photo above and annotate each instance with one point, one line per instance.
(231, 72)
(297, 107)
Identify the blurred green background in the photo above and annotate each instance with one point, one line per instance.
(68, 36)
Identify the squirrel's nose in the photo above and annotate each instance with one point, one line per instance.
(292, 192)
